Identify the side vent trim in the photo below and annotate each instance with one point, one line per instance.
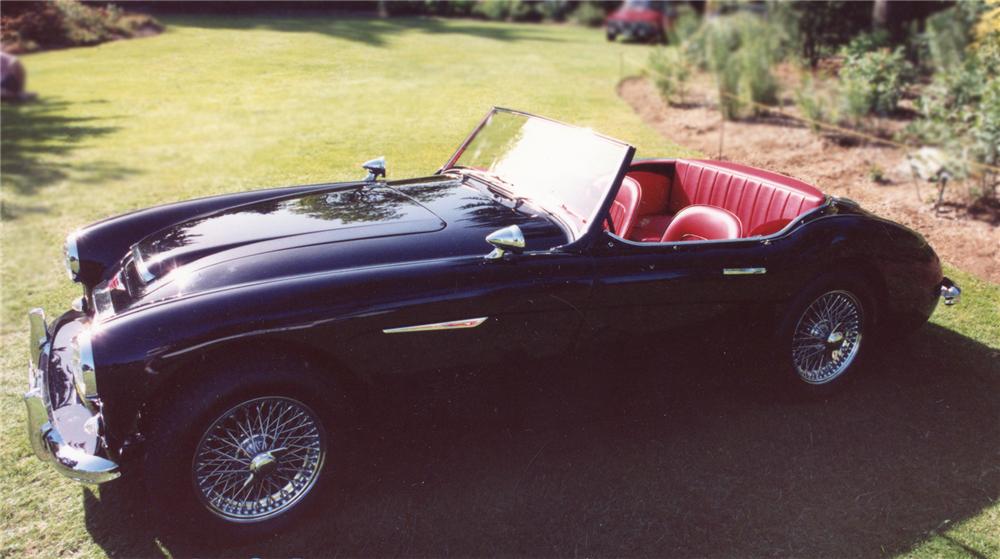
(450, 325)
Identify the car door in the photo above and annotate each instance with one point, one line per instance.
(479, 312)
(658, 287)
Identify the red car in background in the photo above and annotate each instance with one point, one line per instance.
(640, 20)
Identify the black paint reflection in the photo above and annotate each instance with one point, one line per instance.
(274, 219)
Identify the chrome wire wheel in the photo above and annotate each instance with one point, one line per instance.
(259, 459)
(827, 337)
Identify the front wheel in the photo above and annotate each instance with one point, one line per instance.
(244, 454)
(823, 333)
(259, 459)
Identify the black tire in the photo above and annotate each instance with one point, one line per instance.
(845, 343)
(181, 428)
(611, 36)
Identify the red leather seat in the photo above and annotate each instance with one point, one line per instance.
(763, 201)
(625, 206)
(703, 223)
(651, 217)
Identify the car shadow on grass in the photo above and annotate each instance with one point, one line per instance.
(371, 31)
(38, 139)
(643, 455)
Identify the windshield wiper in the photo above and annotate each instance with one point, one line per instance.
(494, 183)
(572, 213)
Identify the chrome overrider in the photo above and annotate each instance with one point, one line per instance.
(70, 435)
(72, 255)
(950, 292)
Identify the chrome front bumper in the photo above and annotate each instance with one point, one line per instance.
(950, 292)
(67, 436)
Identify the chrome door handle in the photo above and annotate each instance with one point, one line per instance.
(743, 271)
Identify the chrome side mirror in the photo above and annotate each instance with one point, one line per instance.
(503, 240)
(375, 168)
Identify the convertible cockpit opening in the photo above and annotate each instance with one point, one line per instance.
(689, 200)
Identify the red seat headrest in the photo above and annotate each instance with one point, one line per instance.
(703, 223)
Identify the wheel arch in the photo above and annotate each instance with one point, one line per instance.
(873, 279)
(327, 370)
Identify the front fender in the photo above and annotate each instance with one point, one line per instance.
(138, 351)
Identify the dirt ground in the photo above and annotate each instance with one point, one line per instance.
(966, 240)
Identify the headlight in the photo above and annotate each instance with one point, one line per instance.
(82, 366)
(72, 254)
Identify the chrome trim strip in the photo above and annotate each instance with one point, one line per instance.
(743, 271)
(39, 335)
(450, 325)
(144, 274)
(82, 366)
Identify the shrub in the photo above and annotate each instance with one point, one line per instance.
(685, 26)
(987, 33)
(493, 9)
(455, 8)
(739, 49)
(818, 29)
(816, 104)
(554, 10)
(986, 138)
(756, 82)
(949, 32)
(88, 26)
(866, 42)
(669, 70)
(877, 175)
(34, 29)
(526, 10)
(717, 40)
(960, 113)
(67, 23)
(873, 82)
(728, 80)
(589, 14)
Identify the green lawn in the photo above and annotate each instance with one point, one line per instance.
(225, 104)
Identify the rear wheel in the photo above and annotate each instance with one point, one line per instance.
(823, 333)
(827, 337)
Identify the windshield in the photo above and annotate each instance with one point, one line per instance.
(567, 171)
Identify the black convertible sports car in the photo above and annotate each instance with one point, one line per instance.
(219, 341)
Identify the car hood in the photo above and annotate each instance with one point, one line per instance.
(329, 230)
(343, 214)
